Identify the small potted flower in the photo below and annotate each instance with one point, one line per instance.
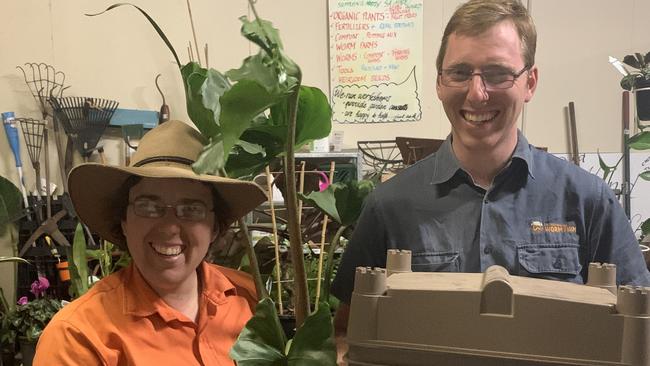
(639, 82)
(30, 317)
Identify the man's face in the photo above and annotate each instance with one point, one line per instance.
(481, 118)
(167, 250)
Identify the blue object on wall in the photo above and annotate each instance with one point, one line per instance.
(148, 119)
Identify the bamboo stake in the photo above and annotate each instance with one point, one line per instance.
(301, 189)
(207, 64)
(196, 44)
(322, 243)
(190, 53)
(269, 186)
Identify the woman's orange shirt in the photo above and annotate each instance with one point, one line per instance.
(122, 321)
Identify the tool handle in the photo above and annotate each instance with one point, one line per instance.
(12, 136)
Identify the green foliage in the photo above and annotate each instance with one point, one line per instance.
(104, 256)
(639, 62)
(341, 201)
(30, 319)
(263, 343)
(645, 227)
(640, 141)
(264, 114)
(78, 264)
(10, 203)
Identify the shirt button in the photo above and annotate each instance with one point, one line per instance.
(487, 249)
(486, 201)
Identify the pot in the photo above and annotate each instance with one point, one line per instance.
(642, 96)
(28, 350)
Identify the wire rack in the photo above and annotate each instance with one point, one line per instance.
(380, 156)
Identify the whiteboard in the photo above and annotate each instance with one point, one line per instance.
(375, 60)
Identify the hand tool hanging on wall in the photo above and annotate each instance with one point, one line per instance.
(625, 183)
(11, 130)
(84, 120)
(33, 134)
(44, 82)
(574, 134)
(163, 116)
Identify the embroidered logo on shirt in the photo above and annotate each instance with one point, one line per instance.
(550, 227)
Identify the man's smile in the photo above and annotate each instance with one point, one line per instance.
(478, 117)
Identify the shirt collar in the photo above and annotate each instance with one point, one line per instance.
(446, 164)
(141, 300)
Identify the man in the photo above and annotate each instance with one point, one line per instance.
(169, 307)
(486, 196)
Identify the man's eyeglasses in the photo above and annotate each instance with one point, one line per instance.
(153, 209)
(493, 79)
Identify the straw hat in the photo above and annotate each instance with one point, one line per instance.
(166, 151)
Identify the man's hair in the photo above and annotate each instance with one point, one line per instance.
(477, 16)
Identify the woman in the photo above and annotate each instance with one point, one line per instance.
(169, 307)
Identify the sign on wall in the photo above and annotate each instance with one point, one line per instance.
(375, 60)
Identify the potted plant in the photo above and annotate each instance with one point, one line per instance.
(28, 319)
(639, 82)
(251, 116)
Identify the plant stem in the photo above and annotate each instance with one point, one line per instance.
(254, 266)
(330, 261)
(295, 239)
(252, 258)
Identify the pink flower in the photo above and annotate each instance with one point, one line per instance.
(40, 286)
(23, 300)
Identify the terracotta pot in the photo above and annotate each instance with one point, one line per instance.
(64, 273)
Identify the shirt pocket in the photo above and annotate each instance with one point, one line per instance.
(435, 261)
(556, 261)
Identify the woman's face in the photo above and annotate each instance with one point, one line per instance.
(167, 250)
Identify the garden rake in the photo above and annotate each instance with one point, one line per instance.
(33, 134)
(43, 82)
(84, 121)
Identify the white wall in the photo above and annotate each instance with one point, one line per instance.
(117, 56)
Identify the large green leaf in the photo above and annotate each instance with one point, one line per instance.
(194, 80)
(78, 264)
(640, 141)
(258, 68)
(161, 34)
(314, 120)
(10, 203)
(262, 33)
(262, 341)
(239, 106)
(211, 160)
(313, 343)
(341, 201)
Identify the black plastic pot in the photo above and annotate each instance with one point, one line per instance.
(28, 350)
(642, 90)
(8, 358)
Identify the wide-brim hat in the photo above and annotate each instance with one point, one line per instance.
(167, 151)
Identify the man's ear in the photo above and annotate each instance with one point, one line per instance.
(531, 83)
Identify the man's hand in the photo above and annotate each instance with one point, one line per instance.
(340, 332)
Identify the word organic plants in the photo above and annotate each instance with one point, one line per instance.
(251, 116)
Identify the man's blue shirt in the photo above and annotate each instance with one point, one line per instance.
(542, 217)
